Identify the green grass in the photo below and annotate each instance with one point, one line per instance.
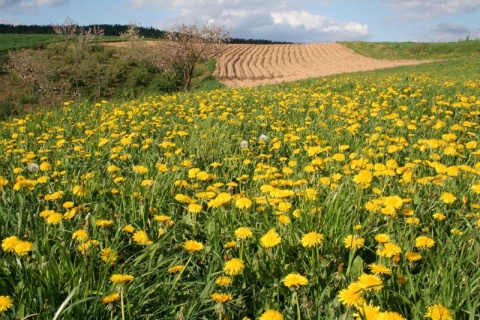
(409, 133)
(21, 41)
(416, 50)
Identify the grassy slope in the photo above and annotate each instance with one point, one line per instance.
(416, 50)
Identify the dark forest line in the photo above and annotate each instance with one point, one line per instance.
(112, 30)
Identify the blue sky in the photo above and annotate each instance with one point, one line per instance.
(302, 21)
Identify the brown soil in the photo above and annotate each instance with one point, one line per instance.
(246, 65)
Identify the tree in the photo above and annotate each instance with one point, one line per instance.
(190, 43)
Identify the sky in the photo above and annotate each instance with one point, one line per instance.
(298, 21)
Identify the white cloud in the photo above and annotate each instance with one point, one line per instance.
(319, 23)
(260, 19)
(425, 9)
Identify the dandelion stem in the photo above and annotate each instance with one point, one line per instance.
(178, 276)
(121, 303)
(295, 298)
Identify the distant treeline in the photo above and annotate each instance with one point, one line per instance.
(111, 30)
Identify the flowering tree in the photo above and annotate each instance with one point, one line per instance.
(190, 43)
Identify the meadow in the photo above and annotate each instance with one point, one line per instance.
(354, 196)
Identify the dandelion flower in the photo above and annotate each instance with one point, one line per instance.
(413, 256)
(121, 278)
(175, 269)
(379, 269)
(439, 216)
(23, 247)
(270, 239)
(382, 238)
(438, 312)
(192, 245)
(423, 242)
(271, 315)
(5, 303)
(222, 297)
(390, 315)
(351, 296)
(243, 203)
(54, 218)
(230, 244)
(243, 233)
(353, 242)
(295, 280)
(223, 281)
(194, 208)
(111, 298)
(128, 228)
(312, 239)
(367, 312)
(234, 266)
(448, 198)
(108, 255)
(244, 144)
(102, 223)
(141, 237)
(9, 243)
(140, 169)
(370, 282)
(389, 250)
(33, 167)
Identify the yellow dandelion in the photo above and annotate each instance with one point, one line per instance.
(9, 243)
(438, 312)
(379, 269)
(271, 315)
(439, 216)
(54, 218)
(230, 244)
(351, 296)
(128, 228)
(283, 219)
(111, 298)
(108, 255)
(295, 280)
(192, 245)
(270, 239)
(370, 282)
(175, 269)
(243, 233)
(194, 208)
(448, 198)
(234, 266)
(413, 256)
(221, 297)
(353, 242)
(382, 238)
(243, 203)
(423, 242)
(390, 315)
(223, 281)
(121, 278)
(5, 303)
(23, 247)
(312, 239)
(102, 223)
(389, 250)
(140, 169)
(367, 312)
(141, 237)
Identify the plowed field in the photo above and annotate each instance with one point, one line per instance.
(242, 65)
